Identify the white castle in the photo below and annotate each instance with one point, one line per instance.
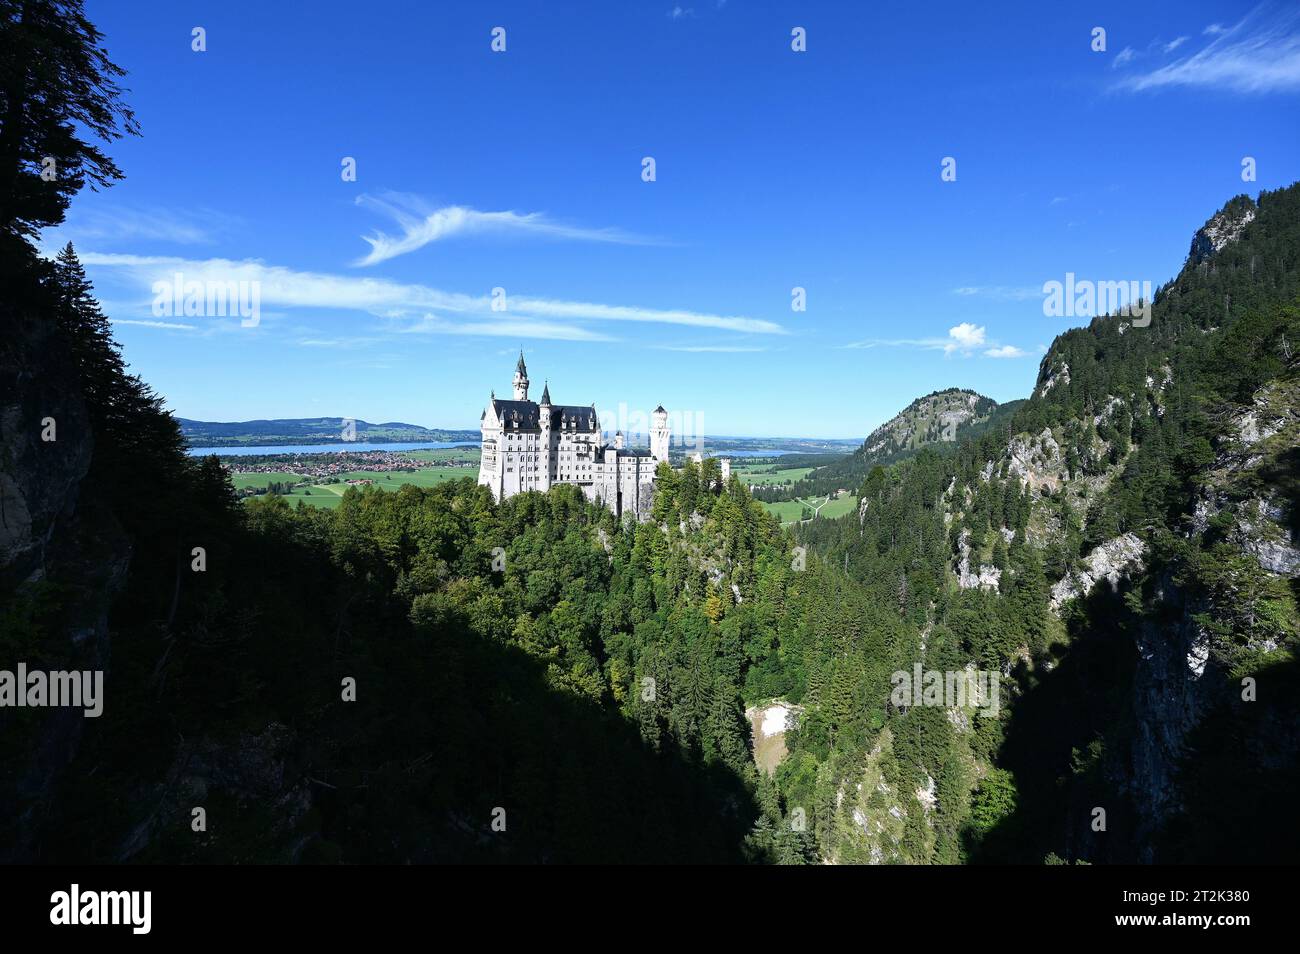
(534, 446)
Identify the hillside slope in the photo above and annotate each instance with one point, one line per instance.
(1125, 552)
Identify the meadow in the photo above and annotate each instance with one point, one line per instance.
(790, 511)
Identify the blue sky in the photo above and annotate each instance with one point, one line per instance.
(775, 169)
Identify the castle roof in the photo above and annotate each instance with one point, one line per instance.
(520, 367)
(546, 393)
(526, 415)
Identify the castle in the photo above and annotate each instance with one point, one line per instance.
(535, 445)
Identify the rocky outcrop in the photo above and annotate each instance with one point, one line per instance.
(1036, 461)
(1224, 228)
(985, 576)
(1260, 531)
(1110, 561)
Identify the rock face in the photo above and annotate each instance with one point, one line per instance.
(38, 478)
(1037, 461)
(1110, 562)
(1170, 695)
(985, 576)
(1057, 374)
(1224, 228)
(51, 534)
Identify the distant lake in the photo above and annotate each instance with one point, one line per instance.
(247, 450)
(350, 446)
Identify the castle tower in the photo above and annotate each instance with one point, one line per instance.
(659, 435)
(546, 455)
(521, 379)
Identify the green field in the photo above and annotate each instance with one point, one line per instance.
(329, 495)
(760, 474)
(445, 454)
(789, 511)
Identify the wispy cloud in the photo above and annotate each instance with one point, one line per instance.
(1125, 55)
(1175, 44)
(707, 349)
(285, 288)
(679, 12)
(120, 222)
(525, 328)
(172, 325)
(1253, 56)
(421, 225)
(1000, 292)
(961, 338)
(964, 339)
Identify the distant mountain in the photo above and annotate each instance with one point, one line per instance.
(941, 416)
(309, 430)
(941, 419)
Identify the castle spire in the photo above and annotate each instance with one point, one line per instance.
(546, 393)
(521, 378)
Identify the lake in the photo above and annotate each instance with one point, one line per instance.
(350, 446)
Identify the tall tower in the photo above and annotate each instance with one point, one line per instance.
(659, 435)
(546, 454)
(521, 379)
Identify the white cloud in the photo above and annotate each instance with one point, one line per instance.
(1175, 44)
(1249, 57)
(153, 324)
(1214, 29)
(421, 226)
(677, 13)
(281, 287)
(1123, 56)
(964, 337)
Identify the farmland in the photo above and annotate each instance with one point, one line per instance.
(320, 480)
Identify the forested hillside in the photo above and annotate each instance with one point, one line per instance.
(532, 664)
(1125, 552)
